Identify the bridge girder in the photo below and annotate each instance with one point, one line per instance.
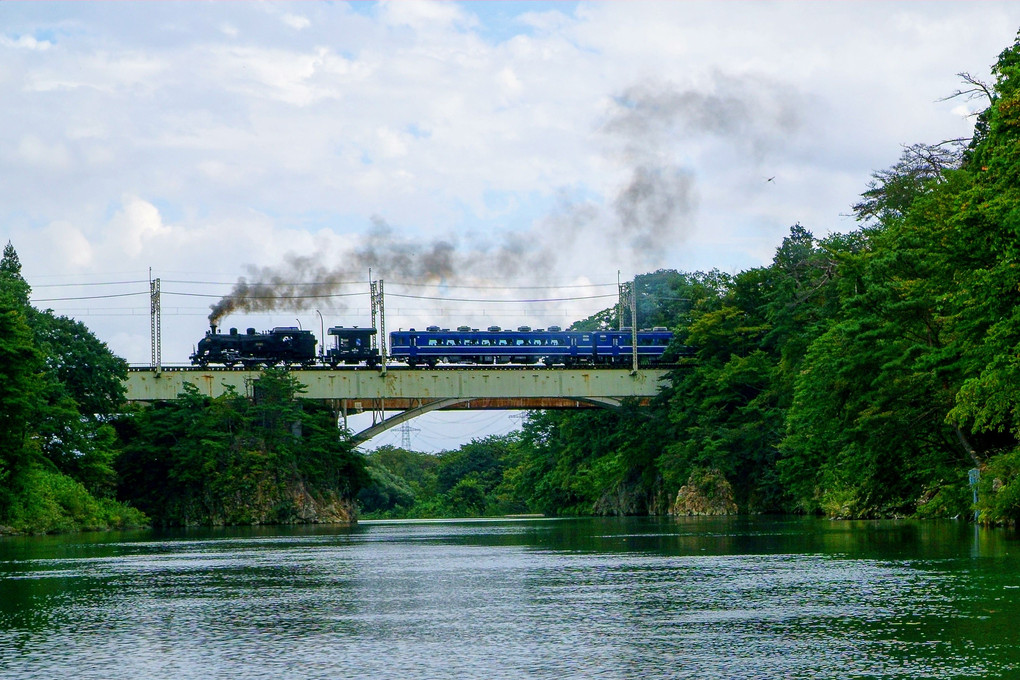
(417, 391)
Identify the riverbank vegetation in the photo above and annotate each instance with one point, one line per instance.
(861, 374)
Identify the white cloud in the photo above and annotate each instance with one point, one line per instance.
(106, 72)
(423, 16)
(296, 22)
(47, 155)
(67, 244)
(509, 82)
(300, 78)
(136, 226)
(26, 42)
(391, 143)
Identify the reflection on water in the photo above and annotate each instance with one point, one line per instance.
(613, 598)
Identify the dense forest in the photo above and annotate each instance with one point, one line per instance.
(858, 375)
(73, 456)
(865, 374)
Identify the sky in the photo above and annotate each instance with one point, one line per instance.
(494, 163)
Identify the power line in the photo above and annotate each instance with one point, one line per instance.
(89, 297)
(324, 296)
(488, 300)
(327, 296)
(409, 284)
(89, 283)
(318, 296)
(418, 284)
(275, 283)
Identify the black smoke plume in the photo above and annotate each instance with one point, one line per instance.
(651, 123)
(301, 282)
(647, 128)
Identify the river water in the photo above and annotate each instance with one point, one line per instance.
(574, 598)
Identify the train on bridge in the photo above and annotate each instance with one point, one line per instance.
(291, 346)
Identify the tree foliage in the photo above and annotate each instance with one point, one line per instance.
(58, 387)
(272, 458)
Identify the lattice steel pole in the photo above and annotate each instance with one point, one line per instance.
(382, 329)
(633, 326)
(619, 302)
(155, 327)
(372, 302)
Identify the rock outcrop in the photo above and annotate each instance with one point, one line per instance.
(706, 493)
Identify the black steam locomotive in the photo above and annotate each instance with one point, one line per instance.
(283, 345)
(465, 345)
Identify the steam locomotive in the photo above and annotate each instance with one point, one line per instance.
(283, 345)
(493, 346)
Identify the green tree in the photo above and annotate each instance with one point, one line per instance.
(91, 375)
(55, 464)
(418, 470)
(20, 380)
(20, 364)
(12, 285)
(234, 460)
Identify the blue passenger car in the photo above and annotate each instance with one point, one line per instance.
(551, 346)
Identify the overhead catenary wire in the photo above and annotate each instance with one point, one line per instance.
(326, 296)
(419, 284)
(90, 297)
(317, 296)
(507, 300)
(89, 283)
(234, 279)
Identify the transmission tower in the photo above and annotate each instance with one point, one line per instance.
(405, 435)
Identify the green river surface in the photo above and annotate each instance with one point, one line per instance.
(754, 597)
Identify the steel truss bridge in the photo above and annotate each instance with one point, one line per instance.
(413, 392)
